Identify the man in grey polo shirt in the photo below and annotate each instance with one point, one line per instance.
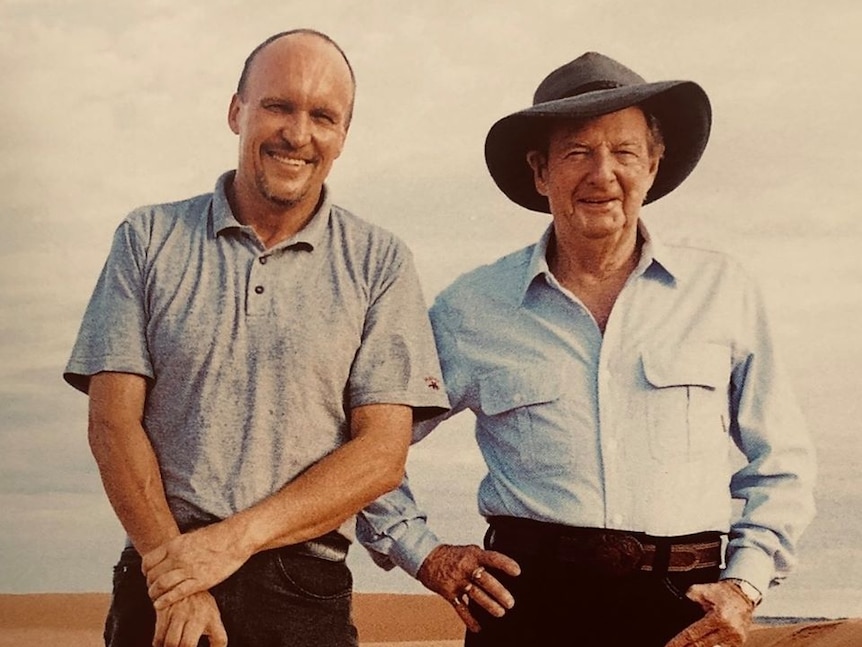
(254, 359)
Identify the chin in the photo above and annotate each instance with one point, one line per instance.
(281, 195)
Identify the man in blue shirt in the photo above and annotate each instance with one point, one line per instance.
(613, 379)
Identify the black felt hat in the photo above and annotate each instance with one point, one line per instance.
(590, 86)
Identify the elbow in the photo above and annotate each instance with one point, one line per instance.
(98, 439)
(382, 438)
(391, 478)
(104, 438)
(388, 471)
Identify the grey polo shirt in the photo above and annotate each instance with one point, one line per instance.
(254, 357)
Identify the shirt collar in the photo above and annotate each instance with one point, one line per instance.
(538, 265)
(656, 259)
(309, 236)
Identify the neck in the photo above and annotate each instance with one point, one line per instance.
(272, 222)
(594, 260)
(595, 271)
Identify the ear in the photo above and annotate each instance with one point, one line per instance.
(233, 113)
(654, 163)
(538, 162)
(343, 139)
(656, 154)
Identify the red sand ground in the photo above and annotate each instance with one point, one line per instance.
(75, 619)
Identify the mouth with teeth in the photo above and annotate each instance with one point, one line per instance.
(288, 160)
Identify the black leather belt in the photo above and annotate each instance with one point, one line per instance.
(608, 552)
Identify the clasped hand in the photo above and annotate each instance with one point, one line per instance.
(191, 563)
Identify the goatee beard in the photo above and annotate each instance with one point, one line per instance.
(263, 187)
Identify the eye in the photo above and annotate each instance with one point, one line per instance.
(577, 153)
(325, 116)
(627, 155)
(278, 107)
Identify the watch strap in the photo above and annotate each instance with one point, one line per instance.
(747, 589)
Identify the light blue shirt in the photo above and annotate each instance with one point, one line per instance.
(636, 429)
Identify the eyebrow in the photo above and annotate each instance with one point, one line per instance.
(275, 99)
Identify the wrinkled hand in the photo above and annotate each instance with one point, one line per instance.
(191, 563)
(458, 574)
(183, 623)
(727, 621)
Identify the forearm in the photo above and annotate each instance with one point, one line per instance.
(318, 501)
(777, 487)
(777, 481)
(127, 465)
(763, 541)
(333, 489)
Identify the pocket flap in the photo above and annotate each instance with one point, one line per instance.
(693, 364)
(506, 389)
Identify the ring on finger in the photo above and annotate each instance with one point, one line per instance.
(476, 575)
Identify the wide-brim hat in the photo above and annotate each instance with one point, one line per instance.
(590, 86)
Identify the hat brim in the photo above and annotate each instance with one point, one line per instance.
(682, 108)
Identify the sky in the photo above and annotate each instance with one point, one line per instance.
(106, 105)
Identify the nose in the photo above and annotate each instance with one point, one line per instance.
(602, 166)
(296, 129)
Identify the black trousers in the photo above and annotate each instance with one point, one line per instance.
(557, 603)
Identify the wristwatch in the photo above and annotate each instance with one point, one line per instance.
(747, 589)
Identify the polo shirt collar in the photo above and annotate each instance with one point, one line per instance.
(311, 235)
(222, 215)
(656, 259)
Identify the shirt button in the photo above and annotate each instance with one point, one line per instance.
(258, 289)
(262, 260)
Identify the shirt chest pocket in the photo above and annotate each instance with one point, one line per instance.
(687, 400)
(523, 419)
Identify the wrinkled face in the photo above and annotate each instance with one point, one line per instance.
(596, 174)
(291, 118)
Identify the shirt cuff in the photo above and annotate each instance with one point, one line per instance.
(752, 565)
(411, 547)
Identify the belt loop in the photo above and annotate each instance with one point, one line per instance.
(662, 558)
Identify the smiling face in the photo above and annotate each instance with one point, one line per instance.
(596, 174)
(291, 117)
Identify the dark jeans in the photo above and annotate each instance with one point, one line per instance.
(279, 598)
(558, 604)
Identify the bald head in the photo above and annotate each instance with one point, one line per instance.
(296, 34)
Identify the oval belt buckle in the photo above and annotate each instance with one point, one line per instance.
(618, 554)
